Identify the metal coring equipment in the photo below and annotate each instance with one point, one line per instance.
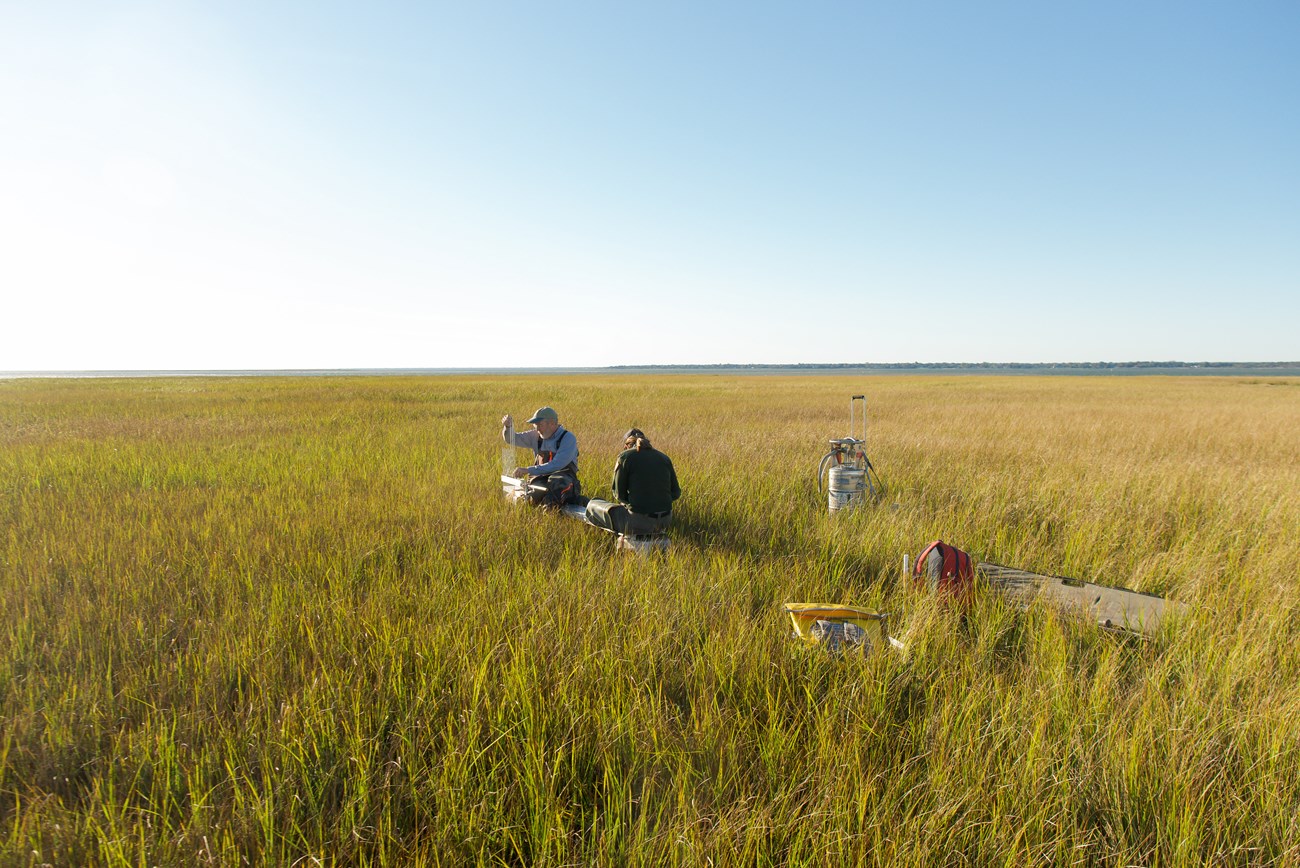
(846, 472)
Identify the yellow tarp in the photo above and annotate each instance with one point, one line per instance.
(805, 615)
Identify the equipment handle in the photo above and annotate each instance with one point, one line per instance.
(852, 404)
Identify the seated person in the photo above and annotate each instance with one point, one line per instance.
(556, 463)
(645, 485)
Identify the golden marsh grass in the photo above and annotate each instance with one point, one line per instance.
(291, 622)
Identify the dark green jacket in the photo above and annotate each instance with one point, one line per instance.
(645, 481)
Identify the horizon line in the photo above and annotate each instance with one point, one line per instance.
(1140, 365)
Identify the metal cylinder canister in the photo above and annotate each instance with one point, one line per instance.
(847, 487)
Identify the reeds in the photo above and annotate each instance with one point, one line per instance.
(291, 621)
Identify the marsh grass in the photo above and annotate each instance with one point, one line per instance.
(291, 622)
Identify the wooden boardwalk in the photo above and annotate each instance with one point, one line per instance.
(1110, 608)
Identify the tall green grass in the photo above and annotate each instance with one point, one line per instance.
(292, 622)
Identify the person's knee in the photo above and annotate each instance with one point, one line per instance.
(603, 513)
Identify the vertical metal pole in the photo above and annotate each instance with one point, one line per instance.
(852, 431)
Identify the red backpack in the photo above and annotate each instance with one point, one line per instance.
(955, 575)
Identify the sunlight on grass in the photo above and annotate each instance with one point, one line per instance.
(285, 619)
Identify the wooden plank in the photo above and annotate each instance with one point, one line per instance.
(1110, 608)
(573, 510)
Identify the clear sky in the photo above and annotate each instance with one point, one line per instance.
(274, 185)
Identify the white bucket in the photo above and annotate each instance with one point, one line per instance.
(847, 486)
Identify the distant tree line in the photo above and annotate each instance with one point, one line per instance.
(1218, 367)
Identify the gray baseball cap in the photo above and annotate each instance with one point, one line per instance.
(544, 413)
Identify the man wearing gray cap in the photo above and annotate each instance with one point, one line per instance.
(556, 465)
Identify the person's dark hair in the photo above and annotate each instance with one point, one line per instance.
(635, 437)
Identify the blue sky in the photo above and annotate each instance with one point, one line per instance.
(254, 185)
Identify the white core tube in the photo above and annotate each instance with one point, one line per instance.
(508, 450)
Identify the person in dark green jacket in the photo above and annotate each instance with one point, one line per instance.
(645, 485)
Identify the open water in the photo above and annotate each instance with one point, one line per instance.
(1234, 369)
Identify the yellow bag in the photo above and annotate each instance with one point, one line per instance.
(838, 624)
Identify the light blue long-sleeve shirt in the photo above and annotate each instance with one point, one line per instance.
(565, 453)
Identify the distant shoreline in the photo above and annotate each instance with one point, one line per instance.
(1177, 369)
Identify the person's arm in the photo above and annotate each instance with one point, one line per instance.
(523, 439)
(620, 480)
(565, 454)
(676, 489)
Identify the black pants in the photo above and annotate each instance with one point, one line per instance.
(620, 519)
(555, 489)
